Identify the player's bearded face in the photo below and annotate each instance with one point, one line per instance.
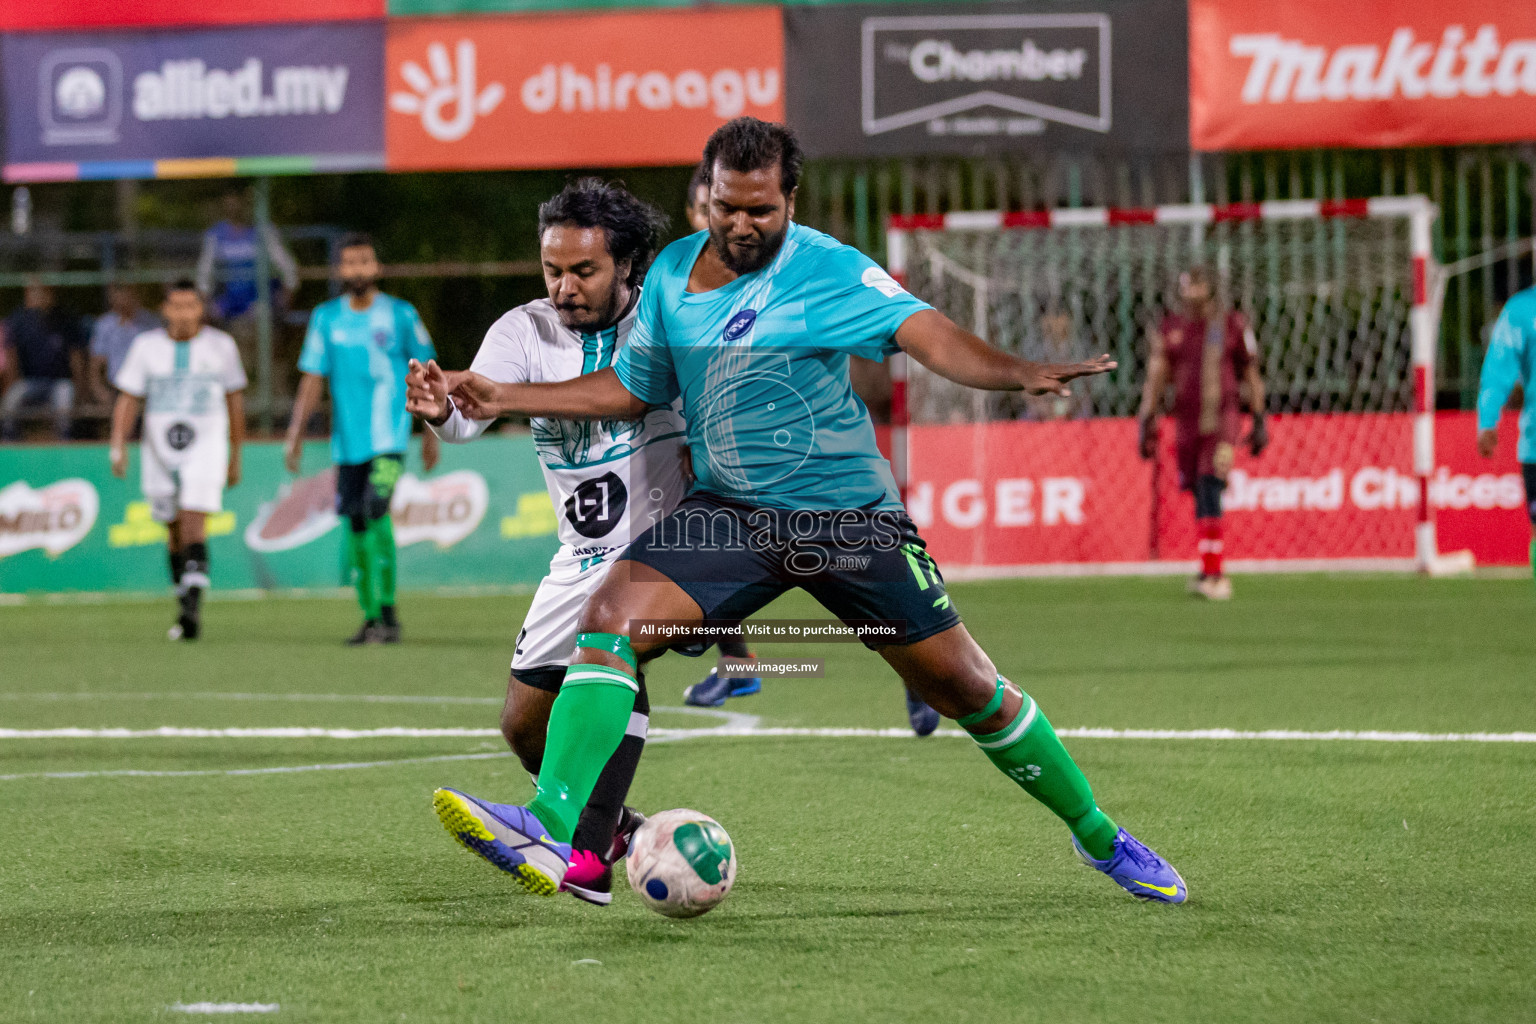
(748, 217)
(359, 269)
(585, 283)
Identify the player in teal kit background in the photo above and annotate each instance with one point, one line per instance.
(1511, 360)
(752, 326)
(361, 342)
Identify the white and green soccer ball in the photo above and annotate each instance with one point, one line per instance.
(681, 863)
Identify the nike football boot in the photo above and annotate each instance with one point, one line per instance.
(1138, 870)
(508, 836)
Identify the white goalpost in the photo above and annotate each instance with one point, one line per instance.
(1340, 293)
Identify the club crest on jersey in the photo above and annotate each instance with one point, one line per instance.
(740, 324)
(381, 338)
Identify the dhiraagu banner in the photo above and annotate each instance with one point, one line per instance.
(481, 518)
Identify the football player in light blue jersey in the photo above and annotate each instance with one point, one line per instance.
(752, 325)
(1511, 360)
(361, 342)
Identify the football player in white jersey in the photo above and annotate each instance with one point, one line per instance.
(187, 379)
(609, 480)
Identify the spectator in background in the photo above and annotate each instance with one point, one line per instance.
(46, 354)
(111, 335)
(226, 270)
(697, 206)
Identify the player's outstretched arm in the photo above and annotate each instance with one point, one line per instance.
(591, 396)
(948, 350)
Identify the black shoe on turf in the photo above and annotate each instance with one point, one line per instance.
(187, 628)
(629, 821)
(370, 632)
(389, 632)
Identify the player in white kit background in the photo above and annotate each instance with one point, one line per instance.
(187, 379)
(609, 480)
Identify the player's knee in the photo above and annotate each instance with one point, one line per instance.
(612, 613)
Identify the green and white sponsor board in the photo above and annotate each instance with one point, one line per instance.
(481, 518)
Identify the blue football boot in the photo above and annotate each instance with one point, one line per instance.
(714, 690)
(508, 836)
(923, 718)
(1138, 870)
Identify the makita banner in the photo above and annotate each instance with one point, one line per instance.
(1311, 73)
(889, 80)
(1330, 487)
(601, 90)
(243, 92)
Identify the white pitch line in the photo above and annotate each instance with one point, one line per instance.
(139, 773)
(732, 730)
(325, 698)
(224, 1007)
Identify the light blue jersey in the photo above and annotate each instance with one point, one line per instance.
(1511, 360)
(365, 355)
(762, 368)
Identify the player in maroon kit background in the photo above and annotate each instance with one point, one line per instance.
(1211, 357)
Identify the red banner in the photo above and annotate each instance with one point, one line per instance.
(595, 90)
(1313, 73)
(1329, 487)
(57, 14)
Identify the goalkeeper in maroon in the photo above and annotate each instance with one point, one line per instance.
(1210, 355)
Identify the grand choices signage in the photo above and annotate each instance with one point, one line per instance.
(893, 80)
(1407, 73)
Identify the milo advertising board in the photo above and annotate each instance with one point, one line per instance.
(482, 517)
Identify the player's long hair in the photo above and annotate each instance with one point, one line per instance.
(634, 228)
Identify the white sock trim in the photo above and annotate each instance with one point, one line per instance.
(583, 675)
(1020, 726)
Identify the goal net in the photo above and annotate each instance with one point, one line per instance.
(1337, 298)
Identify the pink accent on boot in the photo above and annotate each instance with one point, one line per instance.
(586, 868)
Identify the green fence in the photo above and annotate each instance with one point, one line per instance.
(482, 517)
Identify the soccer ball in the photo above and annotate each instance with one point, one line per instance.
(681, 863)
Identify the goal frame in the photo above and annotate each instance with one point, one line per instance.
(1417, 210)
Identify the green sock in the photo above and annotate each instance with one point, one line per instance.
(586, 725)
(1028, 751)
(365, 573)
(383, 533)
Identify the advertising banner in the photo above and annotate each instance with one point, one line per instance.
(125, 100)
(55, 14)
(894, 80)
(1267, 75)
(482, 517)
(1329, 487)
(601, 90)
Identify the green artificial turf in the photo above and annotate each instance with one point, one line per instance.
(881, 879)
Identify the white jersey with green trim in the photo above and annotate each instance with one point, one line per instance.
(609, 480)
(184, 385)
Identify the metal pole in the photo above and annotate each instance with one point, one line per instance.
(262, 217)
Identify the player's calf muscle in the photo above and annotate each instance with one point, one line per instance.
(950, 672)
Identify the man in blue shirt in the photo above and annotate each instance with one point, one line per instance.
(752, 325)
(113, 334)
(361, 342)
(1511, 360)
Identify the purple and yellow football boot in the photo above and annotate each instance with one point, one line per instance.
(508, 836)
(1138, 870)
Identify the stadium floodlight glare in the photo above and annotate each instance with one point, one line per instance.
(1340, 293)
